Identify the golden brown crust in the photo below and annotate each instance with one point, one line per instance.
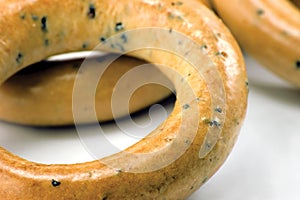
(207, 3)
(268, 30)
(35, 99)
(143, 170)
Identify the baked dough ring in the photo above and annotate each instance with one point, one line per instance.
(25, 97)
(268, 30)
(24, 100)
(143, 173)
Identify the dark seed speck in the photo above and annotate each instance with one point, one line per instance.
(260, 12)
(92, 12)
(124, 38)
(178, 3)
(119, 26)
(186, 106)
(222, 53)
(46, 42)
(214, 123)
(44, 24)
(19, 58)
(102, 39)
(34, 17)
(204, 46)
(219, 110)
(55, 183)
(204, 180)
(23, 16)
(298, 64)
(84, 45)
(236, 121)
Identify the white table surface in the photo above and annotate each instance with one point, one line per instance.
(264, 164)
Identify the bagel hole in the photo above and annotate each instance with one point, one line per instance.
(43, 144)
(144, 105)
(147, 119)
(164, 93)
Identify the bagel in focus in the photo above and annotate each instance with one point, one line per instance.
(64, 25)
(268, 30)
(48, 86)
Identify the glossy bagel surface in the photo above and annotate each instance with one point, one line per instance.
(187, 148)
(268, 30)
(42, 94)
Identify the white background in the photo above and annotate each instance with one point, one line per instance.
(264, 164)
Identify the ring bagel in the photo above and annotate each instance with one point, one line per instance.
(26, 96)
(23, 103)
(268, 30)
(64, 24)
